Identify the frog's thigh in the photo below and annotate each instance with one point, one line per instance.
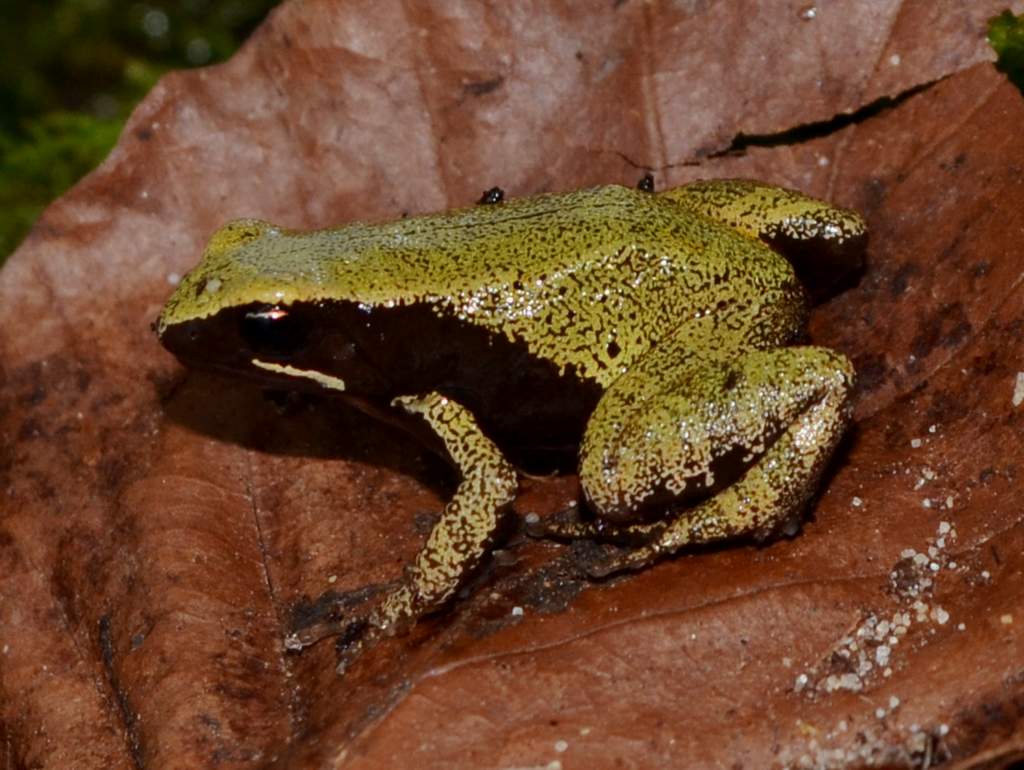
(824, 243)
(783, 410)
(765, 211)
(469, 520)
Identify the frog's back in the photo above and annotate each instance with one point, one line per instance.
(458, 251)
(586, 280)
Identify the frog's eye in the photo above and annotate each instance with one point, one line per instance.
(274, 332)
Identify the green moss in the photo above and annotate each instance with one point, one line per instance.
(72, 70)
(1006, 36)
(52, 154)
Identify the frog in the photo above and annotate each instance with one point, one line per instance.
(656, 339)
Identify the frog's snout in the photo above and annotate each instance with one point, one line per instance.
(178, 338)
(198, 342)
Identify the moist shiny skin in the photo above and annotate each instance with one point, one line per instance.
(655, 331)
(587, 280)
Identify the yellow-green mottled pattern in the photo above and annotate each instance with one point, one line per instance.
(460, 538)
(703, 394)
(761, 210)
(669, 302)
(773, 490)
(590, 278)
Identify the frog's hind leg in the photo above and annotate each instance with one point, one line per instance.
(824, 243)
(754, 431)
(460, 538)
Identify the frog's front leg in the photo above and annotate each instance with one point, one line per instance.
(754, 431)
(460, 538)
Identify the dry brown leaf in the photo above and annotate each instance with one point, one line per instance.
(161, 529)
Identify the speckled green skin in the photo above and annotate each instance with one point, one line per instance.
(710, 424)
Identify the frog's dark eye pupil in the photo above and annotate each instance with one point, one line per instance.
(274, 331)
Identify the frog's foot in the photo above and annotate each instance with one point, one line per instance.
(562, 525)
(359, 631)
(330, 615)
(461, 536)
(598, 560)
(354, 638)
(306, 637)
(731, 513)
(393, 617)
(806, 390)
(567, 525)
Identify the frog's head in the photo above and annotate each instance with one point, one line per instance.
(227, 276)
(200, 322)
(252, 306)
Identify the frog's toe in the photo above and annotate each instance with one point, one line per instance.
(563, 525)
(567, 525)
(601, 560)
(328, 615)
(789, 526)
(358, 630)
(353, 639)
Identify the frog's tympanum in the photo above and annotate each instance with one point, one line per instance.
(659, 334)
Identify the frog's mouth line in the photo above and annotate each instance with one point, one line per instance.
(326, 380)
